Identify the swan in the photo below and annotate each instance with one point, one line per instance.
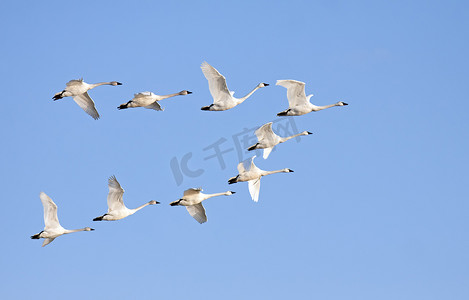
(52, 227)
(253, 176)
(78, 89)
(267, 139)
(222, 97)
(192, 200)
(298, 102)
(116, 208)
(149, 100)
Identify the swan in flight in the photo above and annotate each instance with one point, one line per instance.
(149, 100)
(116, 208)
(298, 102)
(192, 200)
(52, 227)
(78, 89)
(222, 97)
(252, 174)
(267, 139)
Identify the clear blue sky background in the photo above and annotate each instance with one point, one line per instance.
(377, 207)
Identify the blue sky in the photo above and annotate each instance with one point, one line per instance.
(377, 206)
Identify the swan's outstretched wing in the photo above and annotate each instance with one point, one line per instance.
(295, 92)
(197, 212)
(75, 82)
(50, 212)
(155, 105)
(254, 187)
(216, 82)
(115, 197)
(192, 191)
(246, 165)
(241, 168)
(142, 95)
(252, 166)
(264, 131)
(47, 241)
(267, 152)
(87, 104)
(266, 134)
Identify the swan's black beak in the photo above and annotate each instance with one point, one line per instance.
(92, 229)
(119, 83)
(345, 103)
(290, 170)
(189, 92)
(157, 202)
(309, 132)
(266, 84)
(233, 192)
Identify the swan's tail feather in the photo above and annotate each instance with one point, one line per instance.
(36, 236)
(124, 106)
(175, 203)
(283, 113)
(207, 107)
(233, 180)
(253, 147)
(58, 95)
(99, 218)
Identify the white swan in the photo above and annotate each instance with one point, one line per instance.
(116, 208)
(222, 97)
(78, 89)
(253, 176)
(267, 139)
(52, 227)
(298, 102)
(149, 100)
(192, 200)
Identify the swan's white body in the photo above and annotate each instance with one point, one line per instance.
(52, 227)
(298, 102)
(252, 174)
(192, 200)
(222, 97)
(149, 100)
(116, 208)
(78, 89)
(267, 139)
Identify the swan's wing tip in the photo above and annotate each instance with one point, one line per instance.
(288, 82)
(197, 211)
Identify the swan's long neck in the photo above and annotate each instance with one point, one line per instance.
(214, 195)
(284, 139)
(168, 96)
(240, 100)
(265, 173)
(93, 85)
(139, 208)
(73, 230)
(316, 108)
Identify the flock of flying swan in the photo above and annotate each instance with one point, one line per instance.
(223, 99)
